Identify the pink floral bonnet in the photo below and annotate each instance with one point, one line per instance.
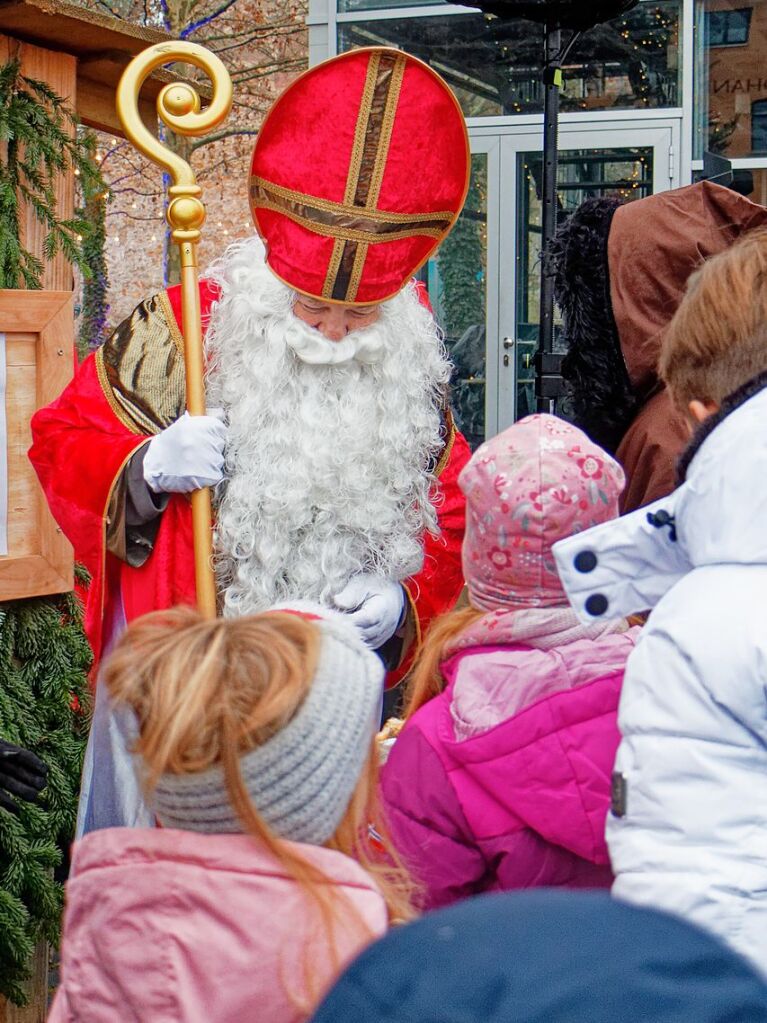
(538, 482)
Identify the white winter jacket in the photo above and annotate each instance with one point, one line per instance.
(690, 782)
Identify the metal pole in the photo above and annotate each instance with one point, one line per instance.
(547, 382)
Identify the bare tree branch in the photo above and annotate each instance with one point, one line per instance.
(225, 134)
(197, 25)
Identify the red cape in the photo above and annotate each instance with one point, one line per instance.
(81, 443)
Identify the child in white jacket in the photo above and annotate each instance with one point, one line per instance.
(688, 829)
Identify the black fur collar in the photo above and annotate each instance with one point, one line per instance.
(598, 386)
(707, 427)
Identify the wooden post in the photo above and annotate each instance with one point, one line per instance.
(59, 70)
(36, 990)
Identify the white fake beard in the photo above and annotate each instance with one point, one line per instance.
(328, 465)
(364, 346)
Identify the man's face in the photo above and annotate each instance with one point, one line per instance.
(332, 320)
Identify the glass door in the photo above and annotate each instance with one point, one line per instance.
(484, 282)
(629, 168)
(463, 281)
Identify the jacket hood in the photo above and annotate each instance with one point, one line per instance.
(715, 517)
(529, 735)
(491, 682)
(563, 957)
(620, 272)
(654, 246)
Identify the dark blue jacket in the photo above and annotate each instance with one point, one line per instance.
(547, 957)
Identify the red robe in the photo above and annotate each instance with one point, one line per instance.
(83, 440)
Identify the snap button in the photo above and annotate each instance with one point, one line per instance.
(597, 604)
(662, 518)
(618, 793)
(585, 561)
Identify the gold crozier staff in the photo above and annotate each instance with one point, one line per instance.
(178, 107)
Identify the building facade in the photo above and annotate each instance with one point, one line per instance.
(643, 98)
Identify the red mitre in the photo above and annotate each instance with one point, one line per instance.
(361, 168)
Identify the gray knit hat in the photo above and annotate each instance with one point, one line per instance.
(300, 780)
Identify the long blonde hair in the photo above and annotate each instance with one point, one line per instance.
(207, 691)
(426, 680)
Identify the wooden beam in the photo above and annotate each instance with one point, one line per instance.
(70, 28)
(96, 107)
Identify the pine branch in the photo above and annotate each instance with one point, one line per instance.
(42, 142)
(44, 658)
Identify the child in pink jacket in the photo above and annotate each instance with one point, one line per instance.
(255, 747)
(500, 778)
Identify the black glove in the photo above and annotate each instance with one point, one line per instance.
(22, 775)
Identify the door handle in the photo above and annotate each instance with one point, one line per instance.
(508, 342)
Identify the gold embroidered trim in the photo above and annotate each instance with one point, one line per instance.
(173, 328)
(444, 457)
(361, 128)
(360, 255)
(416, 622)
(106, 387)
(259, 186)
(352, 234)
(392, 99)
(335, 261)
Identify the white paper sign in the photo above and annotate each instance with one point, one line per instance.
(3, 454)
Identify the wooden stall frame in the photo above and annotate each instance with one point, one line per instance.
(38, 328)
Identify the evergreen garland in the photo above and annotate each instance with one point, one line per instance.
(35, 127)
(44, 657)
(93, 327)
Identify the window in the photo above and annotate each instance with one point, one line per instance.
(372, 5)
(494, 66)
(759, 126)
(730, 82)
(728, 28)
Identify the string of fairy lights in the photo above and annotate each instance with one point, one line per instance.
(650, 33)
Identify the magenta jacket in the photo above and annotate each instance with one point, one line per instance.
(503, 781)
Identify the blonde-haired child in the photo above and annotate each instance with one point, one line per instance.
(254, 742)
(688, 832)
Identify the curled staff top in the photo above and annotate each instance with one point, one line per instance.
(178, 104)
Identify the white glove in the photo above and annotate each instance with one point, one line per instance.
(374, 605)
(186, 456)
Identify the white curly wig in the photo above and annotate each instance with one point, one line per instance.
(328, 467)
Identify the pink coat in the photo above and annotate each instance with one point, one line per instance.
(169, 926)
(503, 781)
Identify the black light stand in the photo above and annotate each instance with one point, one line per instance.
(548, 364)
(556, 15)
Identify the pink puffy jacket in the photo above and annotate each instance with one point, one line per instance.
(164, 926)
(503, 780)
